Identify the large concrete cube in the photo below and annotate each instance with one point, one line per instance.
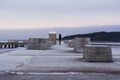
(97, 53)
(79, 44)
(70, 43)
(52, 37)
(38, 44)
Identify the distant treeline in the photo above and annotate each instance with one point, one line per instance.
(98, 36)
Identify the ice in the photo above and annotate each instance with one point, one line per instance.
(10, 62)
(58, 57)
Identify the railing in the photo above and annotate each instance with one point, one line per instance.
(11, 44)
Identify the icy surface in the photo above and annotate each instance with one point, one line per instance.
(8, 62)
(58, 57)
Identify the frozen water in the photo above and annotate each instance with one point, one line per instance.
(58, 57)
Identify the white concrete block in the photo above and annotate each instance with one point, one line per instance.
(97, 53)
(38, 44)
(79, 44)
(70, 43)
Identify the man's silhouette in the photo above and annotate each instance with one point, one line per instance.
(60, 37)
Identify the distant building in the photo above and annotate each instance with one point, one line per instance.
(52, 37)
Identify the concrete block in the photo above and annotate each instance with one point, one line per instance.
(70, 43)
(38, 44)
(79, 44)
(97, 53)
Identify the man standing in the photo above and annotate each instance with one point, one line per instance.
(60, 37)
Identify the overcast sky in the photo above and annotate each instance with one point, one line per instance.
(32, 14)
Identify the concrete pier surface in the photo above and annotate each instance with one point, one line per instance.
(59, 59)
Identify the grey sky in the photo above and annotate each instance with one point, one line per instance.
(57, 13)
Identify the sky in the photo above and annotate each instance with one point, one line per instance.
(34, 14)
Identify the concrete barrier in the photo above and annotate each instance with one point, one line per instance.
(38, 44)
(70, 43)
(79, 44)
(97, 53)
